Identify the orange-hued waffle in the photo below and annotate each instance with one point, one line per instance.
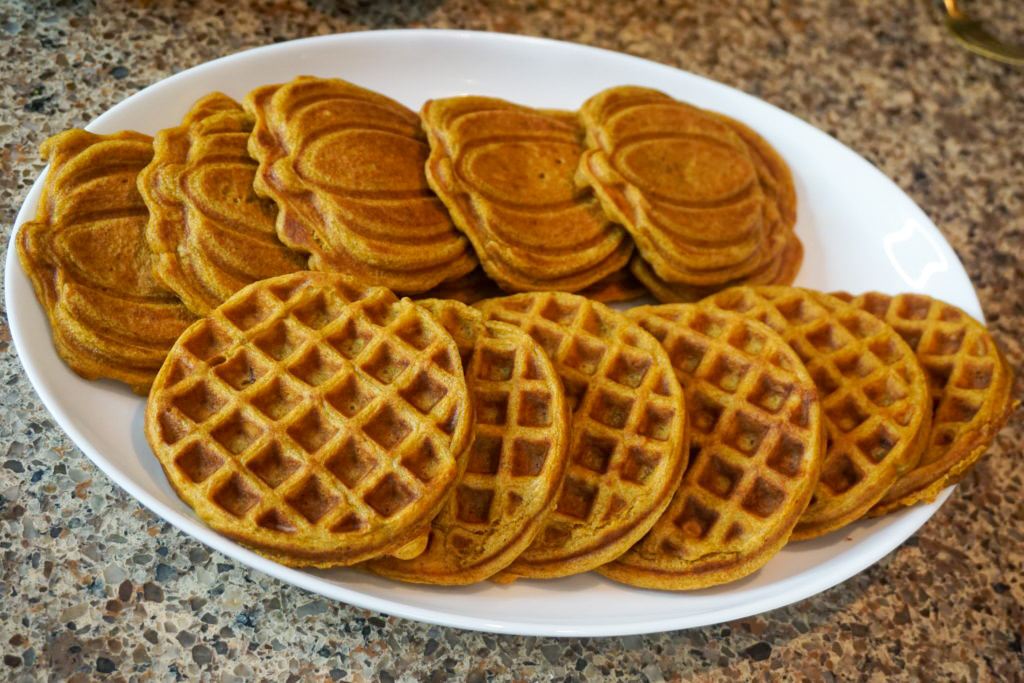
(874, 394)
(315, 423)
(506, 174)
(758, 441)
(628, 444)
(87, 259)
(345, 167)
(707, 201)
(515, 465)
(970, 384)
(209, 232)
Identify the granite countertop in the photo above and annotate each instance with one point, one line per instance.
(94, 585)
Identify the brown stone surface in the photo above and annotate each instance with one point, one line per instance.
(94, 586)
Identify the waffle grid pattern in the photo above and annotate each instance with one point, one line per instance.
(627, 449)
(292, 419)
(968, 379)
(757, 439)
(873, 392)
(515, 463)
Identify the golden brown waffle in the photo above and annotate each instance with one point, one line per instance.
(86, 256)
(211, 235)
(621, 285)
(970, 384)
(708, 201)
(506, 172)
(874, 394)
(315, 423)
(515, 465)
(758, 441)
(628, 447)
(345, 167)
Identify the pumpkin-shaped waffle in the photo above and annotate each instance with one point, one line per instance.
(209, 232)
(873, 391)
(758, 441)
(681, 181)
(628, 443)
(506, 174)
(315, 423)
(514, 466)
(86, 256)
(970, 384)
(345, 167)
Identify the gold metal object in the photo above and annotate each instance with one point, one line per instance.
(973, 36)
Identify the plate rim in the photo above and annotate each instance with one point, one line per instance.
(908, 521)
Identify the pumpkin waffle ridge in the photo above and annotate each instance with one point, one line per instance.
(209, 232)
(970, 383)
(86, 256)
(506, 173)
(873, 391)
(316, 423)
(628, 443)
(514, 465)
(758, 440)
(345, 167)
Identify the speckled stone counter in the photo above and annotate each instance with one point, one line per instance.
(92, 585)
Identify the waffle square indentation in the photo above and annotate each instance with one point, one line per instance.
(840, 473)
(414, 333)
(351, 339)
(423, 392)
(856, 365)
(311, 431)
(748, 341)
(945, 343)
(847, 414)
(594, 452)
(312, 499)
(248, 312)
(495, 365)
(560, 314)
(318, 311)
(237, 433)
(957, 409)
(242, 370)
(199, 403)
(974, 376)
(763, 498)
(549, 339)
(350, 396)
(770, 394)
(611, 410)
(385, 364)
(914, 307)
(279, 342)
(787, 456)
(276, 399)
(583, 355)
(719, 477)
(696, 520)
(598, 324)
(629, 369)
(484, 454)
(884, 391)
(656, 422)
(198, 462)
(389, 496)
(825, 339)
(639, 464)
(886, 350)
(350, 463)
(704, 413)
(423, 461)
(878, 443)
(746, 434)
(528, 457)
(534, 409)
(473, 505)
(387, 427)
(492, 407)
(577, 498)
(272, 466)
(316, 367)
(275, 520)
(727, 373)
(235, 496)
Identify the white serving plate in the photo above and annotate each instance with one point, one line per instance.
(860, 232)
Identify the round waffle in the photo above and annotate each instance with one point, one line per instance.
(874, 395)
(506, 174)
(514, 465)
(758, 441)
(345, 167)
(970, 384)
(209, 232)
(628, 443)
(315, 423)
(87, 259)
